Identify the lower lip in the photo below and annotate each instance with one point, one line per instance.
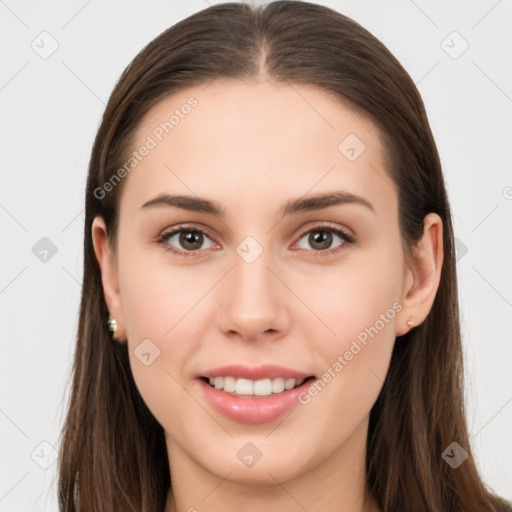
(254, 409)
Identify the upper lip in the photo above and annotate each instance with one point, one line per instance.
(267, 371)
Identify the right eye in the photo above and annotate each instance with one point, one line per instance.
(185, 240)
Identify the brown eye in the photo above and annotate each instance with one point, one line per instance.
(323, 238)
(191, 240)
(320, 240)
(186, 240)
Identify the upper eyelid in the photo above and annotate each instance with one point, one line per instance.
(184, 227)
(326, 225)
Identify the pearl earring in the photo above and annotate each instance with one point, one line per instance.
(112, 325)
(409, 323)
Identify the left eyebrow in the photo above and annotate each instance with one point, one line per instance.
(321, 201)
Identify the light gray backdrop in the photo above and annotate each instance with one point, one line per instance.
(60, 61)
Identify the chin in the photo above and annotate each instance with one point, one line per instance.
(267, 470)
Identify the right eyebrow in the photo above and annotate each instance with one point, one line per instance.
(190, 203)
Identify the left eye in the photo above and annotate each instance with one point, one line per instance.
(321, 239)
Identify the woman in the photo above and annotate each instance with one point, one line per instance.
(268, 240)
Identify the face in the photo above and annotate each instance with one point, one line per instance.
(272, 278)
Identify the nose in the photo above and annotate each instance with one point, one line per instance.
(252, 301)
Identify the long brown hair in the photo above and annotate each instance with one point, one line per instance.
(113, 454)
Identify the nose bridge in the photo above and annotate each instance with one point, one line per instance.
(251, 277)
(251, 302)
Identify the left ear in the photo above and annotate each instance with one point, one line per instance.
(422, 275)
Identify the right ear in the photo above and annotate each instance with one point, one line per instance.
(109, 276)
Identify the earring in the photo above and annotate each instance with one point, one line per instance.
(409, 323)
(112, 325)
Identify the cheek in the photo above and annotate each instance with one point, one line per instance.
(360, 307)
(357, 299)
(158, 306)
(158, 296)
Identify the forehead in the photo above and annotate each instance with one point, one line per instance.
(256, 139)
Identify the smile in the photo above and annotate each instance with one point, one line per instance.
(248, 407)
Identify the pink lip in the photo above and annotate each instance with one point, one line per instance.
(267, 371)
(253, 409)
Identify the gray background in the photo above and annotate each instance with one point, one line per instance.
(50, 109)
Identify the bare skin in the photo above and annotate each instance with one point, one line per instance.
(251, 148)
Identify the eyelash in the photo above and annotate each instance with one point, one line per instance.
(347, 239)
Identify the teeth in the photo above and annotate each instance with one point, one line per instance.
(229, 384)
(244, 387)
(277, 385)
(289, 384)
(263, 387)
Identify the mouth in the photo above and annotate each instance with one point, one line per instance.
(254, 401)
(262, 388)
(257, 394)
